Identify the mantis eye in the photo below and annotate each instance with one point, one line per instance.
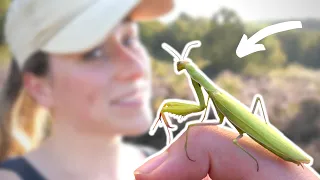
(180, 66)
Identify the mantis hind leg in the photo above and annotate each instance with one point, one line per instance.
(235, 141)
(258, 99)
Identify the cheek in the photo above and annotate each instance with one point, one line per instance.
(79, 91)
(147, 61)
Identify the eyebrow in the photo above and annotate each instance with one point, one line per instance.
(127, 19)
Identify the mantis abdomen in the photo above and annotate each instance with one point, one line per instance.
(257, 129)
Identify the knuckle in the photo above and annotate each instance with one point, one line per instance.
(201, 132)
(198, 136)
(196, 132)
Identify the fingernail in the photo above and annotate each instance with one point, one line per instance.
(152, 164)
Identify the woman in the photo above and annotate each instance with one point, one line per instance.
(81, 62)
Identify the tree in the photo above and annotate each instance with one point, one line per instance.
(220, 42)
(311, 57)
(178, 33)
(148, 31)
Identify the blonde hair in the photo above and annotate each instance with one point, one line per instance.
(22, 120)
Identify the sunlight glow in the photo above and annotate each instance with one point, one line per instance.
(248, 10)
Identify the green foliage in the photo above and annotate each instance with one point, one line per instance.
(176, 34)
(302, 46)
(3, 9)
(2, 30)
(4, 4)
(5, 56)
(4, 51)
(221, 41)
(148, 32)
(257, 64)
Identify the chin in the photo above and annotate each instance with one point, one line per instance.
(124, 120)
(134, 132)
(134, 125)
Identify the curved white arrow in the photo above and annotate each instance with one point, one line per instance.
(249, 46)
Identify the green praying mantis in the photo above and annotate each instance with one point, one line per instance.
(226, 106)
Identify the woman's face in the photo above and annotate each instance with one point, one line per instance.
(106, 89)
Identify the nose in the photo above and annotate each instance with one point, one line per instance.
(130, 64)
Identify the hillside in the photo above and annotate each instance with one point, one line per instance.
(308, 24)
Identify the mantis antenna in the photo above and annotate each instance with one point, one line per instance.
(188, 47)
(177, 56)
(171, 51)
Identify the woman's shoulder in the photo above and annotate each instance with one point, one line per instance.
(8, 175)
(18, 168)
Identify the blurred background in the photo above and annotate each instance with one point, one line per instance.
(287, 74)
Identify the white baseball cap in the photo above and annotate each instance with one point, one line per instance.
(68, 26)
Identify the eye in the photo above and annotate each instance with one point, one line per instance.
(129, 40)
(93, 54)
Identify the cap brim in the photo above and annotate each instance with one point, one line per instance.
(151, 9)
(89, 27)
(92, 26)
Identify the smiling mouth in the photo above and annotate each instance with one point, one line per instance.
(131, 98)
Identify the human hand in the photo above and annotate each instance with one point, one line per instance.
(216, 157)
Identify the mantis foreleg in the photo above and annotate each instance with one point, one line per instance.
(182, 108)
(206, 109)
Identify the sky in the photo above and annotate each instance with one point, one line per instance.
(248, 10)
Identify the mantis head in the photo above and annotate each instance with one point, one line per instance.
(181, 59)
